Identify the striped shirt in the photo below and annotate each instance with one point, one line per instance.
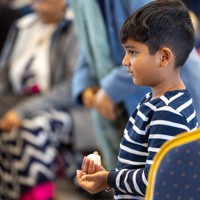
(153, 123)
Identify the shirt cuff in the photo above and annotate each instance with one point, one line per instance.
(112, 178)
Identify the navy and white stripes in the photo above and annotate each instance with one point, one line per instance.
(153, 123)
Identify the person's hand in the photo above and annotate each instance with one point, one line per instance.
(88, 96)
(89, 167)
(93, 183)
(10, 121)
(104, 105)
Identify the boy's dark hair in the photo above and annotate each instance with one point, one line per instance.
(162, 23)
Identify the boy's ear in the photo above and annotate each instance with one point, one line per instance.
(166, 56)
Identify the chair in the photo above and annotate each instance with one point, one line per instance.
(175, 173)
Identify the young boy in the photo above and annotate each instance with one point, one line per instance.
(157, 40)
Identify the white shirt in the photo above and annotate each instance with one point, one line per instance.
(33, 42)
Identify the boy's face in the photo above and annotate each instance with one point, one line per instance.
(143, 68)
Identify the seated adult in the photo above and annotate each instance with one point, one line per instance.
(35, 75)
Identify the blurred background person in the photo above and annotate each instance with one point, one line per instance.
(36, 66)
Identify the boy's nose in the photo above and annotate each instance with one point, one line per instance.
(125, 61)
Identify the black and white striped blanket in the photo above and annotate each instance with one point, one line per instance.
(27, 155)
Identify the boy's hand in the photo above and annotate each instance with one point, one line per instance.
(89, 167)
(10, 121)
(88, 96)
(93, 183)
(104, 105)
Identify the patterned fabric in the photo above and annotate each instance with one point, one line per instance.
(175, 174)
(151, 125)
(27, 155)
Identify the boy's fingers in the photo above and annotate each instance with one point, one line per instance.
(87, 178)
(85, 165)
(88, 166)
(79, 173)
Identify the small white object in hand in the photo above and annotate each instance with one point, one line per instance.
(96, 158)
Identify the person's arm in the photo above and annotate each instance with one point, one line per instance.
(115, 88)
(57, 98)
(129, 180)
(82, 78)
(134, 181)
(190, 74)
(117, 85)
(118, 81)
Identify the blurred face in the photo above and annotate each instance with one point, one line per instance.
(48, 8)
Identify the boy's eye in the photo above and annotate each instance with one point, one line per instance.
(131, 52)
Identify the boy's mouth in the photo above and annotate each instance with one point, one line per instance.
(130, 73)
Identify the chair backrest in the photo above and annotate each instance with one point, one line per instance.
(175, 173)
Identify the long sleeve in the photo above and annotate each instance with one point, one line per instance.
(119, 82)
(190, 74)
(82, 78)
(143, 137)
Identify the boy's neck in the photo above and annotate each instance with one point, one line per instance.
(159, 92)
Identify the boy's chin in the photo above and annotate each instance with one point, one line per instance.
(137, 83)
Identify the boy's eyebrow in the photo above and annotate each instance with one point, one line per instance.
(128, 46)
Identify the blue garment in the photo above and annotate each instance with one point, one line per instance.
(118, 80)
(152, 124)
(190, 74)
